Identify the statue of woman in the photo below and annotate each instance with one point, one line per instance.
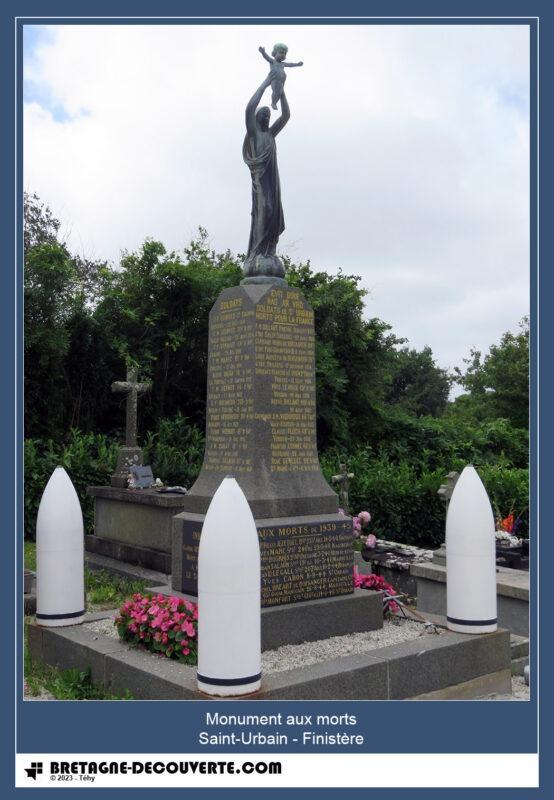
(260, 154)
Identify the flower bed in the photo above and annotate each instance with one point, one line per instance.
(169, 625)
(165, 625)
(378, 584)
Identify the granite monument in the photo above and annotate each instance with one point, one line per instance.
(261, 408)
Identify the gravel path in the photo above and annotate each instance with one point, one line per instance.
(519, 691)
(301, 655)
(290, 656)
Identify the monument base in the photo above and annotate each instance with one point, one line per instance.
(303, 558)
(127, 457)
(134, 525)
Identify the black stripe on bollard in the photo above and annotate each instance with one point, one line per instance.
(61, 616)
(472, 621)
(228, 681)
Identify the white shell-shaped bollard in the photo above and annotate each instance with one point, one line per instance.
(229, 596)
(60, 554)
(470, 558)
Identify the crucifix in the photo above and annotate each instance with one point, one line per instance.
(343, 479)
(132, 389)
(129, 455)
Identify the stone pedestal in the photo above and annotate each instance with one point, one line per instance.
(261, 429)
(439, 556)
(134, 525)
(127, 457)
(512, 594)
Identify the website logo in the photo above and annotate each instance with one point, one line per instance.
(34, 770)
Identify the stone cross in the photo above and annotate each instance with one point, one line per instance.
(132, 389)
(343, 479)
(445, 490)
(445, 493)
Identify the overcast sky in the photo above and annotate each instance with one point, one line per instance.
(406, 159)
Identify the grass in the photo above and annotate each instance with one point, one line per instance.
(104, 590)
(30, 555)
(67, 684)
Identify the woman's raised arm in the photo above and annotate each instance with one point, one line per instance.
(250, 113)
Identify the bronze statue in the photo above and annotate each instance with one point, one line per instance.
(259, 151)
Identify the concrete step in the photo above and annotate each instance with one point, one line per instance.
(95, 561)
(519, 664)
(519, 646)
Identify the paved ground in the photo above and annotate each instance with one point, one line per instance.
(519, 691)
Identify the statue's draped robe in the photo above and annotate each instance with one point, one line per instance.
(268, 222)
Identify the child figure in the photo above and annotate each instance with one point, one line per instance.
(277, 71)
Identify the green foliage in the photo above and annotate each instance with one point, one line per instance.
(383, 406)
(106, 590)
(498, 384)
(417, 385)
(447, 443)
(402, 498)
(30, 556)
(508, 490)
(175, 451)
(167, 626)
(89, 459)
(39, 224)
(403, 501)
(351, 354)
(68, 684)
(154, 314)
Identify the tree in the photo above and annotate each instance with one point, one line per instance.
(417, 384)
(154, 313)
(60, 345)
(39, 224)
(498, 383)
(351, 356)
(51, 298)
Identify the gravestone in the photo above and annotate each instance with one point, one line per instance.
(141, 477)
(261, 428)
(130, 455)
(132, 525)
(343, 481)
(445, 493)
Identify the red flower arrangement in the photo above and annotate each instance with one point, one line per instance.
(377, 584)
(166, 625)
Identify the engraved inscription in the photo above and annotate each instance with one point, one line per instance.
(261, 385)
(299, 562)
(230, 404)
(285, 356)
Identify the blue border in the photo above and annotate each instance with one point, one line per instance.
(412, 727)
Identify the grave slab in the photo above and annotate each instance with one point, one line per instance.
(308, 621)
(422, 668)
(512, 589)
(134, 525)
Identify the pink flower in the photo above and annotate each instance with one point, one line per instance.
(371, 541)
(356, 523)
(364, 517)
(162, 617)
